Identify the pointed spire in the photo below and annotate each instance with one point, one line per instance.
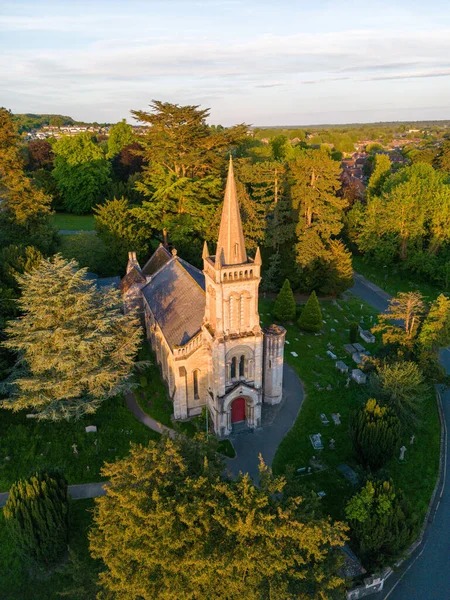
(258, 260)
(231, 244)
(205, 253)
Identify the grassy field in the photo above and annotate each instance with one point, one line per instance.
(26, 444)
(393, 280)
(16, 583)
(317, 374)
(73, 222)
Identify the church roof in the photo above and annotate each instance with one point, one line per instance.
(134, 275)
(176, 297)
(156, 260)
(231, 244)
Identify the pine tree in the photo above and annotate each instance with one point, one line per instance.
(37, 517)
(170, 526)
(75, 347)
(311, 316)
(375, 434)
(271, 278)
(339, 269)
(353, 335)
(284, 307)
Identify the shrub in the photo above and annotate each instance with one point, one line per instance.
(375, 434)
(284, 307)
(311, 317)
(37, 517)
(354, 328)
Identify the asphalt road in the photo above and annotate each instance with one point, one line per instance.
(426, 574)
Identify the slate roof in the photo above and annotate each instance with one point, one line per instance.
(134, 275)
(176, 296)
(159, 258)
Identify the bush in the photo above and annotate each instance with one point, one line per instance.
(354, 328)
(311, 317)
(375, 434)
(284, 307)
(37, 517)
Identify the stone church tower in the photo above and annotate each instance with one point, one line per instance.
(205, 330)
(246, 363)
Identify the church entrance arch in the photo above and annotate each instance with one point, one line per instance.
(238, 410)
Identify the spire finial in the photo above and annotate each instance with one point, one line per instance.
(231, 244)
(205, 253)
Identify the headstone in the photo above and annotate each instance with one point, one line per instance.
(329, 387)
(323, 418)
(349, 348)
(336, 418)
(286, 341)
(316, 441)
(349, 474)
(31, 416)
(402, 452)
(321, 494)
(347, 383)
(358, 357)
(91, 429)
(75, 449)
(332, 443)
(368, 337)
(358, 347)
(294, 354)
(324, 322)
(301, 470)
(341, 366)
(318, 357)
(331, 355)
(411, 441)
(333, 330)
(309, 346)
(359, 376)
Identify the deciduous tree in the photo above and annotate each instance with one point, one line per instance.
(120, 135)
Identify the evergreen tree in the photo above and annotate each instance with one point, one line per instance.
(382, 523)
(403, 385)
(353, 335)
(339, 269)
(311, 315)
(271, 280)
(171, 527)
(75, 347)
(37, 517)
(284, 307)
(375, 434)
(15, 260)
(120, 135)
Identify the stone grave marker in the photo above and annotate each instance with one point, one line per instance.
(336, 418)
(358, 357)
(402, 452)
(294, 354)
(341, 366)
(349, 474)
(286, 341)
(358, 347)
(323, 418)
(316, 441)
(331, 355)
(368, 337)
(332, 443)
(349, 348)
(91, 429)
(321, 494)
(359, 376)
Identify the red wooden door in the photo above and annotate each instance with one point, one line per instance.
(238, 410)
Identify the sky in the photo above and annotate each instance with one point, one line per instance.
(262, 62)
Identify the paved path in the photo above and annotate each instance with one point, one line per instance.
(77, 492)
(266, 440)
(145, 418)
(426, 574)
(75, 231)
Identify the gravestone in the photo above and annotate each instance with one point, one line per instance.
(341, 366)
(323, 418)
(358, 357)
(349, 474)
(336, 418)
(411, 441)
(402, 452)
(286, 341)
(349, 348)
(358, 347)
(331, 355)
(75, 449)
(294, 354)
(321, 494)
(368, 337)
(91, 429)
(359, 376)
(316, 441)
(332, 443)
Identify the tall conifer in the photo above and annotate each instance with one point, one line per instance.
(284, 307)
(311, 316)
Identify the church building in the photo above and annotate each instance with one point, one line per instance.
(205, 330)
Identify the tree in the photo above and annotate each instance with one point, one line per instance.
(184, 158)
(271, 281)
(81, 172)
(127, 162)
(120, 135)
(339, 269)
(382, 523)
(75, 347)
(403, 384)
(16, 260)
(375, 434)
(120, 231)
(381, 171)
(188, 533)
(442, 160)
(400, 323)
(25, 206)
(311, 315)
(284, 307)
(37, 517)
(435, 330)
(353, 334)
(40, 155)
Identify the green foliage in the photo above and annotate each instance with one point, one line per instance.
(37, 517)
(185, 528)
(271, 281)
(382, 523)
(401, 322)
(120, 135)
(435, 330)
(120, 231)
(354, 329)
(311, 316)
(75, 347)
(81, 172)
(88, 251)
(442, 161)
(403, 384)
(16, 260)
(284, 307)
(381, 171)
(375, 434)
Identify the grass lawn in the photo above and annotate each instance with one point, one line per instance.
(393, 279)
(26, 444)
(73, 222)
(15, 581)
(416, 477)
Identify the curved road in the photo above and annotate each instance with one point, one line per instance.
(426, 574)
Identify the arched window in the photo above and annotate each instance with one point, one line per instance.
(195, 377)
(233, 368)
(242, 366)
(251, 272)
(235, 274)
(224, 276)
(245, 274)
